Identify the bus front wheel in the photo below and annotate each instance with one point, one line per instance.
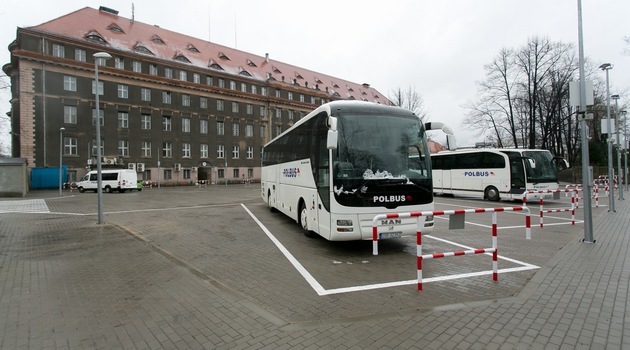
(492, 194)
(304, 221)
(271, 207)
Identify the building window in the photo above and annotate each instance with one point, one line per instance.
(79, 55)
(278, 113)
(235, 152)
(186, 174)
(232, 85)
(168, 174)
(185, 100)
(70, 147)
(167, 149)
(221, 83)
(220, 105)
(250, 152)
(101, 87)
(185, 124)
(277, 93)
(203, 126)
(166, 97)
(168, 73)
(123, 120)
(290, 114)
(235, 107)
(94, 147)
(183, 75)
(220, 151)
(220, 127)
(235, 173)
(235, 129)
(262, 111)
(153, 69)
(278, 130)
(166, 123)
(58, 51)
(209, 81)
(203, 102)
(243, 87)
(146, 148)
(70, 114)
(146, 122)
(123, 148)
(145, 94)
(101, 116)
(290, 95)
(301, 97)
(263, 131)
(185, 150)
(221, 173)
(137, 66)
(119, 63)
(69, 83)
(123, 91)
(249, 130)
(196, 78)
(203, 150)
(254, 89)
(312, 100)
(250, 173)
(250, 109)
(263, 91)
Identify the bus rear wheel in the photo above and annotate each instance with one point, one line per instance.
(304, 221)
(492, 194)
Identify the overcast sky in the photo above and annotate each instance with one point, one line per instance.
(438, 48)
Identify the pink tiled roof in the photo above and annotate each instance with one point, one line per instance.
(126, 35)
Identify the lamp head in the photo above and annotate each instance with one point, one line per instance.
(102, 55)
(606, 66)
(614, 97)
(62, 129)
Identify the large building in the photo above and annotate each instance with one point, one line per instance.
(172, 107)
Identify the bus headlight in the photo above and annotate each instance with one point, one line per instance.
(347, 225)
(344, 222)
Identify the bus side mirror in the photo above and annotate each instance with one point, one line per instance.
(331, 140)
(451, 142)
(532, 163)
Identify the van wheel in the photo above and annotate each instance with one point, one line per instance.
(108, 189)
(81, 189)
(492, 194)
(304, 221)
(121, 190)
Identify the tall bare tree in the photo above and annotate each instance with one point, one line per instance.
(411, 100)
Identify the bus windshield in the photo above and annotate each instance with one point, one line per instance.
(381, 156)
(544, 168)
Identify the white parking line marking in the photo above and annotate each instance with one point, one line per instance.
(320, 290)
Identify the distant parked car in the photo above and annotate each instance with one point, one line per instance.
(119, 180)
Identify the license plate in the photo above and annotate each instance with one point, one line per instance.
(387, 235)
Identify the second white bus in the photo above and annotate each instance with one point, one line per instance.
(492, 173)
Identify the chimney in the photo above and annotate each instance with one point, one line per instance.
(267, 57)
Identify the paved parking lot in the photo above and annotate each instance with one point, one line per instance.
(213, 268)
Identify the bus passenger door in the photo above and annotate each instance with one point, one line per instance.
(321, 169)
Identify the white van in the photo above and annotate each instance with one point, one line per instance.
(120, 180)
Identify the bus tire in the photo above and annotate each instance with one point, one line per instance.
(492, 194)
(108, 189)
(271, 207)
(303, 220)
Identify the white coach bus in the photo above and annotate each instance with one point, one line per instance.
(346, 162)
(492, 173)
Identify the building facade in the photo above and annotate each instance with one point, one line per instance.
(175, 108)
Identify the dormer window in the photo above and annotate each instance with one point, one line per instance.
(115, 28)
(96, 37)
(251, 63)
(142, 49)
(223, 56)
(156, 39)
(276, 70)
(298, 76)
(192, 48)
(350, 88)
(214, 65)
(318, 81)
(181, 58)
(243, 72)
(334, 84)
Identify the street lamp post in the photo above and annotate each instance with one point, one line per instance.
(620, 175)
(611, 198)
(99, 182)
(625, 150)
(61, 130)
